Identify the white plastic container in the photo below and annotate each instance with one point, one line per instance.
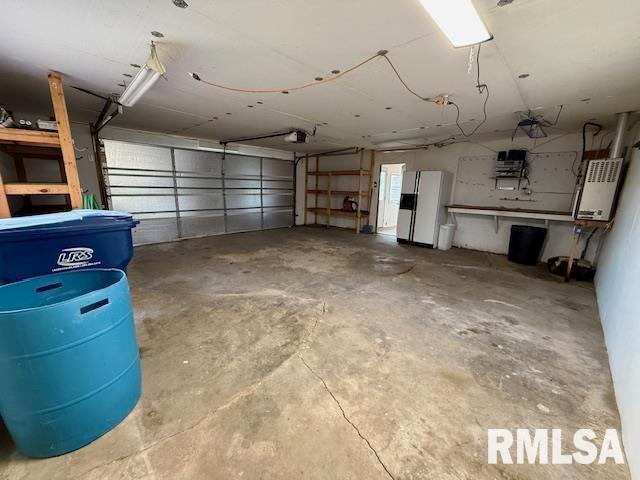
(445, 237)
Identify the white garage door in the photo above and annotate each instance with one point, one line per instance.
(178, 193)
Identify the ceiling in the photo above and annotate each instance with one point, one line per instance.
(583, 54)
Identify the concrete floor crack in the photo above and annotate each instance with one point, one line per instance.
(344, 415)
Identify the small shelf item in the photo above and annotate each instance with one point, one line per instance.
(511, 165)
(362, 194)
(22, 143)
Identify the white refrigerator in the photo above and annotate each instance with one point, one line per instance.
(423, 202)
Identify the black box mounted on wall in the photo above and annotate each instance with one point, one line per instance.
(518, 155)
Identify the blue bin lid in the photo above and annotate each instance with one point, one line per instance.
(65, 223)
(59, 219)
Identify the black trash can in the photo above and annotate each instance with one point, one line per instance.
(525, 244)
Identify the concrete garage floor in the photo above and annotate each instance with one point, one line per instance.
(316, 354)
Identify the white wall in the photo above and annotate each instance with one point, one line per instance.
(618, 292)
(473, 232)
(477, 232)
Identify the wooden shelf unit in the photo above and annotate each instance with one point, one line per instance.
(22, 143)
(360, 214)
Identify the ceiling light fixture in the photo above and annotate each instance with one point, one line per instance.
(143, 80)
(183, 4)
(458, 20)
(157, 34)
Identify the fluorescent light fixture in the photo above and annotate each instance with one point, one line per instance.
(143, 80)
(458, 20)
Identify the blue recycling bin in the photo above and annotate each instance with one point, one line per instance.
(79, 239)
(69, 360)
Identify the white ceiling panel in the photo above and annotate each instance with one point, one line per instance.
(572, 50)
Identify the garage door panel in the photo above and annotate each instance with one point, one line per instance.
(198, 162)
(244, 220)
(141, 204)
(141, 191)
(236, 183)
(209, 201)
(277, 199)
(128, 180)
(276, 168)
(155, 230)
(278, 218)
(202, 224)
(239, 200)
(277, 184)
(240, 166)
(132, 155)
(192, 182)
(180, 193)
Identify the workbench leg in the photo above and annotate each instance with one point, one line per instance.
(572, 254)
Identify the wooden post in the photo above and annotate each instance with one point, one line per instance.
(4, 203)
(21, 173)
(370, 192)
(66, 140)
(315, 204)
(358, 214)
(329, 200)
(371, 177)
(577, 230)
(306, 186)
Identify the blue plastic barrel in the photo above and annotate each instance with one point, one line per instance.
(69, 361)
(79, 239)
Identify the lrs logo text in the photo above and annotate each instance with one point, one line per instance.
(543, 446)
(75, 256)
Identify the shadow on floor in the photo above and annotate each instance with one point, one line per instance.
(7, 447)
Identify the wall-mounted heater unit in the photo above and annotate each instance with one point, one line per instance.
(599, 190)
(423, 207)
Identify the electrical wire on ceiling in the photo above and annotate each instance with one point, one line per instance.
(578, 173)
(404, 84)
(482, 88)
(442, 100)
(197, 77)
(381, 53)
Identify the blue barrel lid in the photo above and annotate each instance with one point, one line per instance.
(59, 219)
(64, 224)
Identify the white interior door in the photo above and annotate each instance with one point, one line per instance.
(393, 201)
